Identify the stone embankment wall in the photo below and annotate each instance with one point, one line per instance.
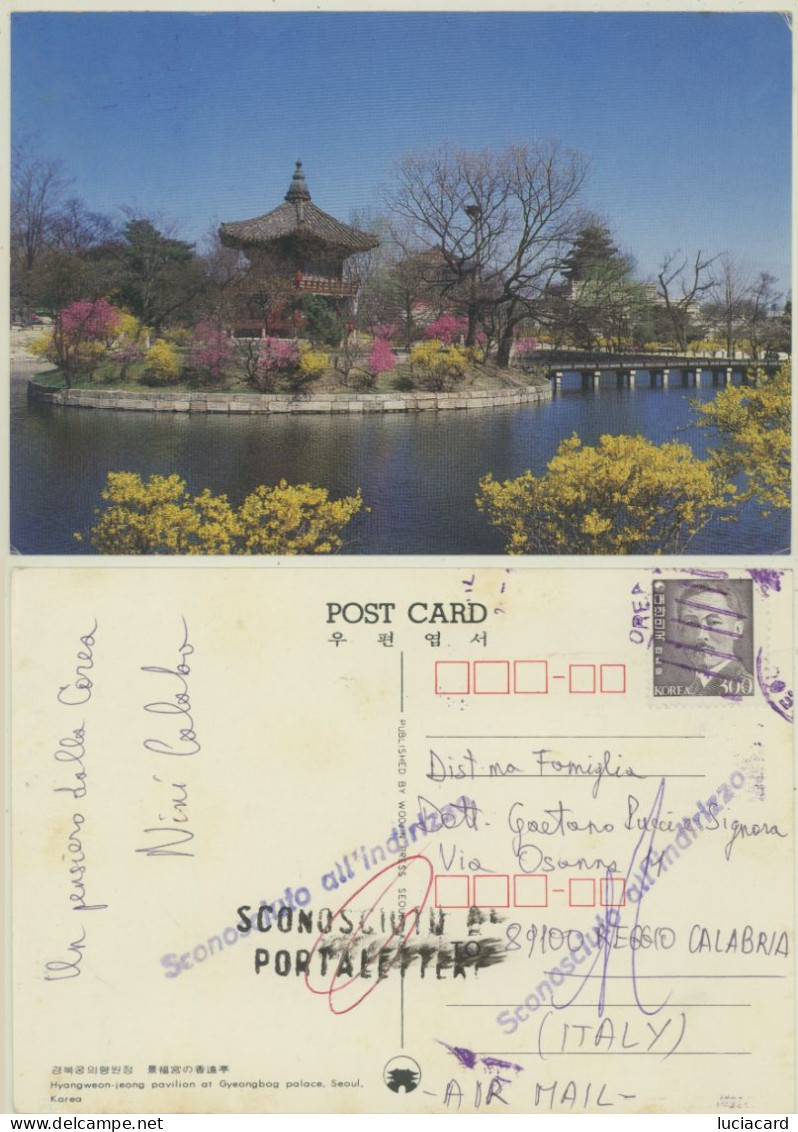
(235, 403)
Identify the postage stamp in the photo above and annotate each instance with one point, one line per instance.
(703, 637)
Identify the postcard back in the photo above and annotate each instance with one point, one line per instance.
(419, 840)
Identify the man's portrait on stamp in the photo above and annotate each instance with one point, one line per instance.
(703, 637)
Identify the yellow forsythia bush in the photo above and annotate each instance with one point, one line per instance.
(43, 347)
(130, 330)
(312, 364)
(161, 363)
(625, 496)
(438, 367)
(753, 427)
(295, 519)
(159, 516)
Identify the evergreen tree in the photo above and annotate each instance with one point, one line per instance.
(323, 323)
(603, 301)
(161, 275)
(593, 251)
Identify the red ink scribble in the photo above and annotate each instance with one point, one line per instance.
(411, 915)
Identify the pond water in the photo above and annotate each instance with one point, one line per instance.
(418, 472)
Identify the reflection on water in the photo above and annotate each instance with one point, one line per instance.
(418, 472)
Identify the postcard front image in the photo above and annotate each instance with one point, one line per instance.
(430, 323)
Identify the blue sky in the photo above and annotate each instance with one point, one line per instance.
(684, 117)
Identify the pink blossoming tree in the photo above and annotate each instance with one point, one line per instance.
(380, 359)
(525, 346)
(212, 352)
(83, 333)
(447, 329)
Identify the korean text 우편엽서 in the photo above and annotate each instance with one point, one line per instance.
(417, 841)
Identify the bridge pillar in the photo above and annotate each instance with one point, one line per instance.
(558, 379)
(666, 377)
(697, 376)
(729, 375)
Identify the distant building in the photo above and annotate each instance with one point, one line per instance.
(295, 249)
(653, 296)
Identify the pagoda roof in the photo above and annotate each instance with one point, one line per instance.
(296, 216)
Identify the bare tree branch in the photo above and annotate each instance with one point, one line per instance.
(500, 222)
(37, 189)
(692, 281)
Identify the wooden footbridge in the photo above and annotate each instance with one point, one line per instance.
(650, 369)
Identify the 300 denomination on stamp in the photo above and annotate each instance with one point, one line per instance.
(703, 637)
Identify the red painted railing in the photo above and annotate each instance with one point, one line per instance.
(319, 285)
